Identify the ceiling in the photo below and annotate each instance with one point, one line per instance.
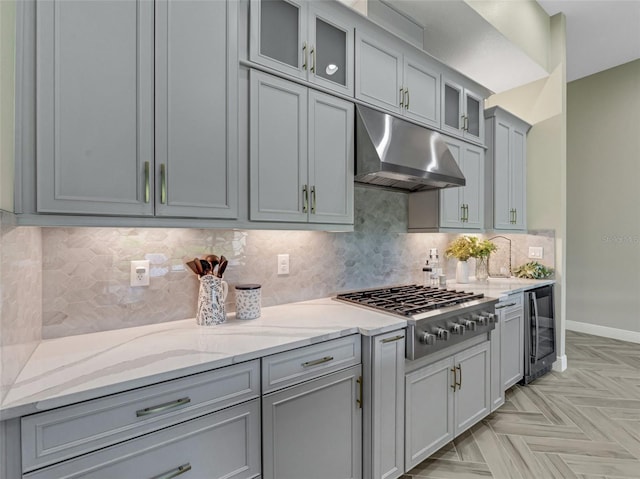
(601, 34)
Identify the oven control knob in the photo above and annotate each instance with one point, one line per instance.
(481, 319)
(491, 316)
(470, 324)
(457, 328)
(442, 334)
(427, 338)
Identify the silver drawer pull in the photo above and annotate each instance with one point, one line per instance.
(500, 306)
(163, 407)
(315, 362)
(395, 338)
(178, 471)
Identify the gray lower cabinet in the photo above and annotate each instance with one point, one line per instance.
(507, 348)
(444, 399)
(314, 430)
(224, 444)
(383, 439)
(136, 107)
(301, 153)
(453, 208)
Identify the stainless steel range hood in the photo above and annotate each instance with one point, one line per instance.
(394, 153)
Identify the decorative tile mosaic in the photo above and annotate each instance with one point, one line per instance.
(20, 298)
(86, 270)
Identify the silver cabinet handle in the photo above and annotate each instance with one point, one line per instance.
(304, 55)
(178, 471)
(455, 383)
(359, 400)
(313, 199)
(395, 338)
(315, 362)
(406, 103)
(459, 368)
(305, 199)
(500, 306)
(401, 97)
(146, 182)
(163, 184)
(163, 407)
(462, 213)
(515, 216)
(313, 59)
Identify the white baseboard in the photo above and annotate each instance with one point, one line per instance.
(560, 364)
(605, 331)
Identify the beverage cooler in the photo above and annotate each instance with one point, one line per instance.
(539, 333)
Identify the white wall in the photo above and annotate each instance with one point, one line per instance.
(603, 224)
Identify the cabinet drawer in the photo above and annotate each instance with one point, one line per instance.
(511, 302)
(224, 444)
(60, 434)
(292, 367)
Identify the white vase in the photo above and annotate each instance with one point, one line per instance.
(462, 272)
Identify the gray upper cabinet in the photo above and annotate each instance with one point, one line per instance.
(307, 40)
(301, 153)
(196, 167)
(398, 81)
(460, 208)
(94, 92)
(136, 108)
(462, 111)
(506, 176)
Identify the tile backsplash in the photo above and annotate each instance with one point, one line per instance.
(86, 270)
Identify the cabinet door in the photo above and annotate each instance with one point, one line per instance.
(331, 150)
(331, 54)
(378, 73)
(429, 411)
(474, 116)
(452, 107)
(278, 35)
(451, 199)
(387, 415)
(196, 108)
(94, 106)
(512, 360)
(472, 398)
(221, 445)
(502, 209)
(422, 102)
(518, 170)
(314, 430)
(473, 191)
(278, 149)
(497, 390)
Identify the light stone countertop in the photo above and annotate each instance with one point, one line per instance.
(77, 368)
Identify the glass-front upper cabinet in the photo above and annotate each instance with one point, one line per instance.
(306, 40)
(462, 112)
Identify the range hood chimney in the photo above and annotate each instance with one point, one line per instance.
(396, 154)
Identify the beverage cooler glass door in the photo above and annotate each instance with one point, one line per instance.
(542, 323)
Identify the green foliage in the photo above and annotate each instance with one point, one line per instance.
(465, 247)
(533, 270)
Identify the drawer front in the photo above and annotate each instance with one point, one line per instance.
(60, 434)
(510, 303)
(224, 444)
(292, 367)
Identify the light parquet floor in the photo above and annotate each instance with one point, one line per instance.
(583, 423)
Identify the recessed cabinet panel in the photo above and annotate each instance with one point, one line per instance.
(278, 149)
(280, 31)
(451, 200)
(473, 191)
(473, 114)
(452, 107)
(423, 93)
(196, 158)
(519, 178)
(502, 177)
(331, 147)
(378, 81)
(95, 107)
(473, 393)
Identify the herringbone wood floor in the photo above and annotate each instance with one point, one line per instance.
(583, 423)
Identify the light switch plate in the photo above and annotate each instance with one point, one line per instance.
(535, 252)
(283, 264)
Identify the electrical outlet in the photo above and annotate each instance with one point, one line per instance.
(140, 273)
(535, 252)
(283, 264)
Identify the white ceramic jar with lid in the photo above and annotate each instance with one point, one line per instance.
(248, 301)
